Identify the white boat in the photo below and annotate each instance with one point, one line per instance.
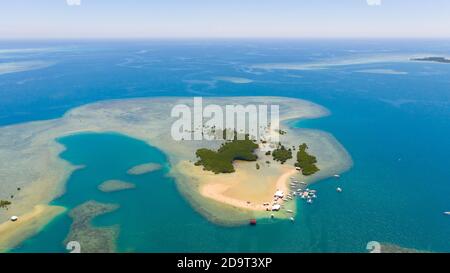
(14, 218)
(279, 194)
(309, 201)
(276, 207)
(290, 211)
(339, 189)
(336, 176)
(447, 212)
(303, 183)
(292, 219)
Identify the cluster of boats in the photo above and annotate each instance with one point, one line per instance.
(299, 191)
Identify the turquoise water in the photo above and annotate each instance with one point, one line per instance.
(396, 128)
(153, 217)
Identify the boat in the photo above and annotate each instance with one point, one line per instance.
(292, 219)
(14, 218)
(276, 207)
(339, 189)
(447, 212)
(309, 201)
(290, 211)
(336, 176)
(252, 222)
(279, 194)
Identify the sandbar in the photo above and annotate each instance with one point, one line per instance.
(28, 224)
(115, 185)
(144, 168)
(29, 155)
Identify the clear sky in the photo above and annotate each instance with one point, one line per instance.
(224, 18)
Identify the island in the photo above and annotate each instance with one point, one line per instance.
(115, 185)
(432, 59)
(225, 186)
(144, 168)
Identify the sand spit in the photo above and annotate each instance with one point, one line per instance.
(29, 154)
(144, 168)
(29, 224)
(236, 80)
(115, 185)
(360, 59)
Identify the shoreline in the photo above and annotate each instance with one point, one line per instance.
(28, 225)
(216, 192)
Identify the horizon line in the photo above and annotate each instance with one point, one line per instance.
(230, 38)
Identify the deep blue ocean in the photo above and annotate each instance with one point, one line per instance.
(392, 117)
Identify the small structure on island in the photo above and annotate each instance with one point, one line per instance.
(276, 207)
(279, 194)
(14, 218)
